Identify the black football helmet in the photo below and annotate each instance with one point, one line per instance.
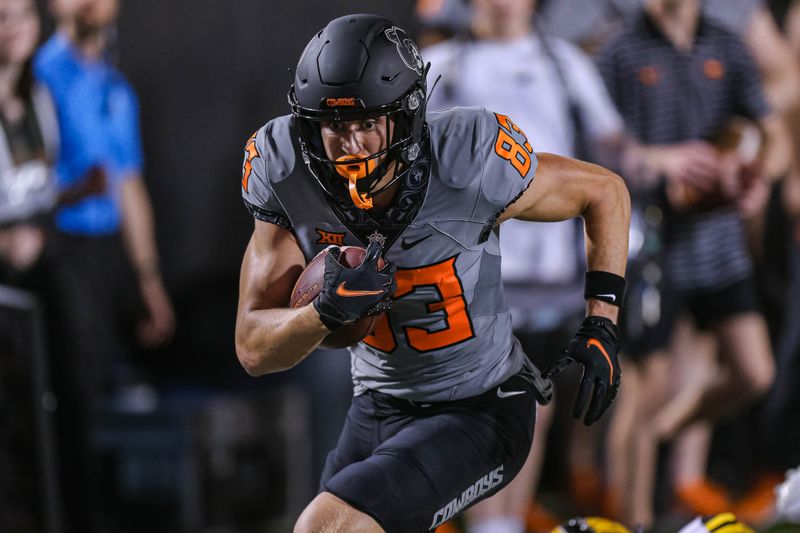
(359, 67)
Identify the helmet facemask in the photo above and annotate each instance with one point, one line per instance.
(355, 178)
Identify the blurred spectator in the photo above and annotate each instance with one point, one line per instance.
(600, 21)
(782, 408)
(504, 63)
(96, 287)
(679, 78)
(773, 55)
(28, 145)
(441, 19)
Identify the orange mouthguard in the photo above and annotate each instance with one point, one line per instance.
(354, 172)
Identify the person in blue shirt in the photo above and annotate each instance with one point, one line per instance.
(106, 238)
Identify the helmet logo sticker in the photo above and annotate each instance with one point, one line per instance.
(406, 48)
(340, 102)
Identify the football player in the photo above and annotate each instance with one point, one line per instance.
(445, 400)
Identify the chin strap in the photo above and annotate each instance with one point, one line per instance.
(355, 171)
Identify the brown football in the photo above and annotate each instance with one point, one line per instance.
(310, 282)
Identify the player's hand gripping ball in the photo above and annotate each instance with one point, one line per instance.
(595, 347)
(350, 288)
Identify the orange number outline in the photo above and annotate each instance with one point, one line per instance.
(519, 155)
(444, 278)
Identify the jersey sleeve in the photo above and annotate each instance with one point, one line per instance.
(257, 193)
(509, 164)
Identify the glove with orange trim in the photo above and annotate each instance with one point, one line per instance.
(351, 293)
(595, 347)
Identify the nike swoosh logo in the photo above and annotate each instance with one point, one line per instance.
(613, 297)
(596, 343)
(509, 394)
(342, 291)
(406, 245)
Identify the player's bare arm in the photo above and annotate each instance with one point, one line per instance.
(565, 188)
(270, 337)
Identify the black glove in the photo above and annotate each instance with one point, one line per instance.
(351, 293)
(594, 346)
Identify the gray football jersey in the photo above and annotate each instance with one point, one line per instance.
(448, 334)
